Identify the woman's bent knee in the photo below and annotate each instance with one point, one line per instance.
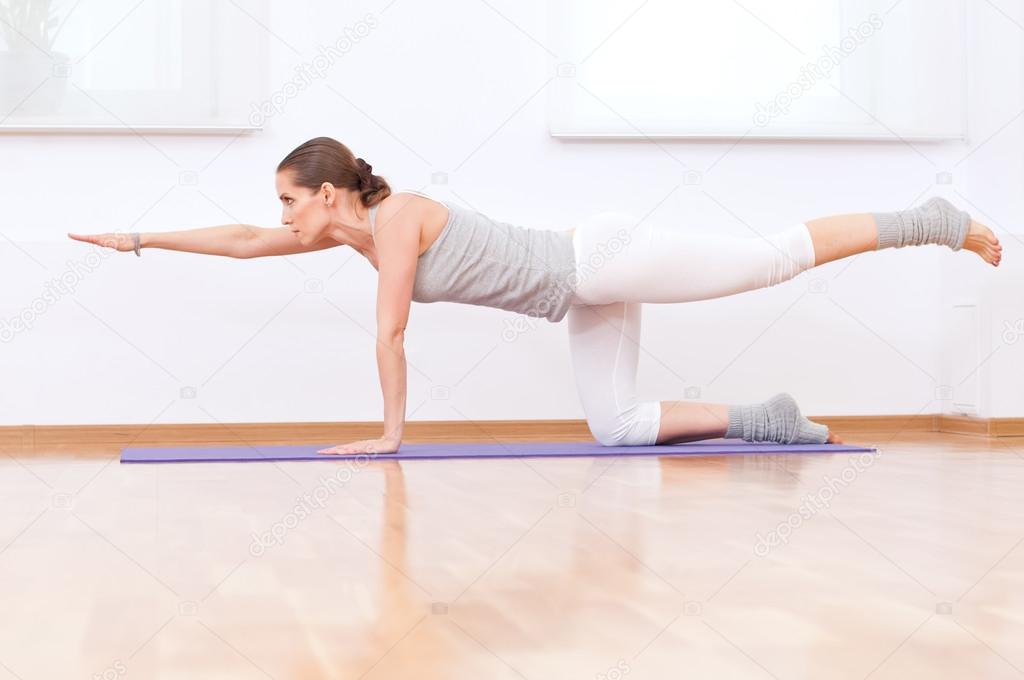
(638, 426)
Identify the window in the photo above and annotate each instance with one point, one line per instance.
(759, 69)
(118, 64)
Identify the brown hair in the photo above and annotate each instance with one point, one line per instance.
(323, 159)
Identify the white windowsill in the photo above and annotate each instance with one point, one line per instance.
(130, 130)
(763, 136)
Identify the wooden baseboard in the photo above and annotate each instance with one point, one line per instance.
(54, 438)
(851, 425)
(44, 437)
(935, 422)
(984, 427)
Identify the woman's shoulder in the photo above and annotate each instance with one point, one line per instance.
(426, 212)
(391, 205)
(405, 199)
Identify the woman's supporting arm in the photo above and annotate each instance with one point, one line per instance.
(392, 368)
(397, 254)
(397, 250)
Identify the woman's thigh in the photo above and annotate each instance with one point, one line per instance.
(605, 343)
(623, 258)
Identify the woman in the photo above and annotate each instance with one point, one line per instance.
(598, 274)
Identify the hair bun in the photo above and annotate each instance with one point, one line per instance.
(364, 166)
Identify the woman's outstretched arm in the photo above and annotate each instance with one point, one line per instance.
(228, 240)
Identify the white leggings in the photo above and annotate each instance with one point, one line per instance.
(622, 262)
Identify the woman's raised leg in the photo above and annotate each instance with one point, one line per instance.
(621, 258)
(839, 236)
(935, 221)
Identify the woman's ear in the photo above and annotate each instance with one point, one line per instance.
(327, 189)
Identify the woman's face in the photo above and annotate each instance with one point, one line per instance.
(304, 211)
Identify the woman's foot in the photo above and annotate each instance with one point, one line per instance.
(833, 438)
(982, 241)
(776, 420)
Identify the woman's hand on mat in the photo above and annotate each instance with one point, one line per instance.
(121, 242)
(383, 445)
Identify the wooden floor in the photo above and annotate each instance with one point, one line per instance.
(905, 563)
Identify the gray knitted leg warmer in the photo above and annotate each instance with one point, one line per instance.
(776, 420)
(934, 221)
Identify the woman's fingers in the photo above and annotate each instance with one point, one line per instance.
(91, 238)
(87, 238)
(122, 242)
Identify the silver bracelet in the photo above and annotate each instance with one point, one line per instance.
(135, 235)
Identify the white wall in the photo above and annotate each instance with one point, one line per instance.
(462, 92)
(988, 184)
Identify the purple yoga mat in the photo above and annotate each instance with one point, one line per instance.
(225, 454)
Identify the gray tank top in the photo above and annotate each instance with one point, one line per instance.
(479, 261)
